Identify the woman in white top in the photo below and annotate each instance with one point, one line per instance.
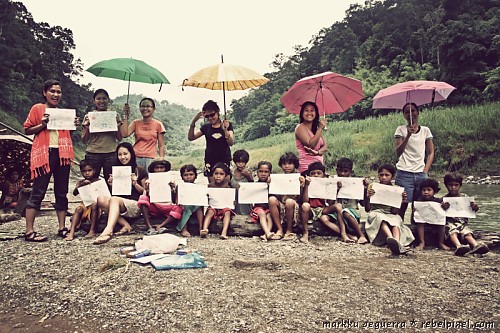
(415, 150)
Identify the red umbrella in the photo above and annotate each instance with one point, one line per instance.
(418, 92)
(332, 92)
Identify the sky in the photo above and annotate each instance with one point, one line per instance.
(181, 37)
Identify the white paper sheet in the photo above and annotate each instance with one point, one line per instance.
(89, 193)
(460, 207)
(221, 197)
(352, 188)
(192, 194)
(159, 188)
(429, 212)
(322, 188)
(174, 176)
(285, 183)
(122, 180)
(387, 195)
(252, 193)
(102, 121)
(61, 119)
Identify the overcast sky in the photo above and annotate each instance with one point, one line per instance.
(180, 37)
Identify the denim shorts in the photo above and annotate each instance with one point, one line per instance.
(144, 162)
(411, 182)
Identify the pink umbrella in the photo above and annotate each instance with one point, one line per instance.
(418, 92)
(333, 93)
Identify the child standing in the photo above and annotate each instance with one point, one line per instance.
(260, 212)
(428, 189)
(10, 189)
(241, 175)
(82, 213)
(149, 209)
(189, 174)
(384, 225)
(456, 227)
(313, 208)
(286, 206)
(346, 217)
(220, 172)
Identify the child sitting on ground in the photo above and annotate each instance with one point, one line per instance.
(189, 174)
(346, 217)
(456, 227)
(83, 213)
(241, 175)
(428, 189)
(220, 172)
(10, 189)
(171, 211)
(286, 207)
(314, 208)
(260, 212)
(384, 225)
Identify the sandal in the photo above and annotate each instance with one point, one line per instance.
(102, 239)
(63, 232)
(35, 237)
(124, 231)
(203, 233)
(151, 231)
(289, 237)
(275, 237)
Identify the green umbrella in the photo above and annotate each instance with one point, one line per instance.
(128, 69)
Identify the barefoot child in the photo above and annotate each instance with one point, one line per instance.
(456, 227)
(286, 207)
(314, 208)
(10, 189)
(260, 212)
(171, 211)
(83, 213)
(241, 175)
(384, 225)
(220, 172)
(346, 217)
(428, 189)
(189, 174)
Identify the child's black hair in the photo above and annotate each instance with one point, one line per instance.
(188, 167)
(453, 177)
(344, 163)
(84, 163)
(289, 157)
(432, 183)
(316, 166)
(241, 156)
(10, 171)
(130, 148)
(223, 166)
(388, 167)
(269, 165)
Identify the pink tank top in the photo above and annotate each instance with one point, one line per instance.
(304, 158)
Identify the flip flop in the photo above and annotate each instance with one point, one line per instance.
(275, 237)
(63, 232)
(35, 237)
(151, 231)
(480, 249)
(462, 250)
(162, 230)
(203, 233)
(102, 239)
(289, 237)
(124, 231)
(394, 246)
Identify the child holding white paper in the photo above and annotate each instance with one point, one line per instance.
(171, 211)
(260, 212)
(220, 171)
(189, 175)
(384, 225)
(346, 218)
(457, 227)
(314, 208)
(241, 175)
(428, 189)
(83, 213)
(286, 207)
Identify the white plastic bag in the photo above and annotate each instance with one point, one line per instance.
(163, 243)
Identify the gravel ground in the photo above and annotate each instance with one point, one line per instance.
(249, 286)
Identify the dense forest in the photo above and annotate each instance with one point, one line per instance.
(379, 43)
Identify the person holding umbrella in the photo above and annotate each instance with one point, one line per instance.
(309, 136)
(219, 136)
(415, 151)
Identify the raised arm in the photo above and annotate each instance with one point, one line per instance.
(192, 134)
(125, 129)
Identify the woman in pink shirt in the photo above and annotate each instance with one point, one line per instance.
(149, 133)
(309, 136)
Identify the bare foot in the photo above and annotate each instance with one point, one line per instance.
(362, 240)
(224, 237)
(442, 246)
(420, 246)
(69, 237)
(203, 233)
(185, 233)
(90, 235)
(346, 239)
(304, 238)
(352, 237)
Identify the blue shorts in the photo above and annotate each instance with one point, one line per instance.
(351, 211)
(411, 182)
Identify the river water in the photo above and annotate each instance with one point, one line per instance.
(488, 199)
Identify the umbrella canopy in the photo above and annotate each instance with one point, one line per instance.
(418, 92)
(332, 92)
(225, 77)
(128, 69)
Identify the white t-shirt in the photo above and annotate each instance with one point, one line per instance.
(412, 158)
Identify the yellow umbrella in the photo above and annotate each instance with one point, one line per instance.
(225, 77)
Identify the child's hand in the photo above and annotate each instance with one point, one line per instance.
(394, 210)
(85, 182)
(110, 179)
(365, 182)
(77, 121)
(126, 110)
(307, 181)
(474, 206)
(146, 185)
(302, 181)
(370, 193)
(172, 185)
(268, 180)
(339, 185)
(86, 122)
(405, 197)
(445, 205)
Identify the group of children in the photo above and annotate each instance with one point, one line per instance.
(280, 216)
